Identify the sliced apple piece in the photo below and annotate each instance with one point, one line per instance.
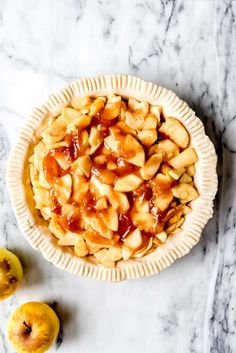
(170, 229)
(96, 107)
(99, 188)
(171, 213)
(111, 165)
(115, 198)
(101, 257)
(101, 204)
(31, 159)
(185, 178)
(112, 108)
(176, 131)
(104, 175)
(156, 241)
(134, 152)
(140, 205)
(93, 248)
(83, 165)
(123, 110)
(147, 246)
(142, 107)
(132, 103)
(36, 184)
(81, 103)
(58, 144)
(69, 239)
(184, 159)
(163, 202)
(162, 236)
(165, 169)
(41, 197)
(34, 174)
(168, 148)
(60, 159)
(134, 121)
(111, 144)
(56, 132)
(40, 151)
(110, 218)
(63, 188)
(125, 129)
(186, 210)
(101, 159)
(185, 192)
(46, 213)
(176, 173)
(56, 228)
(153, 149)
(95, 139)
(80, 187)
(127, 183)
(42, 181)
(126, 253)
(69, 114)
(80, 247)
(180, 222)
(133, 240)
(113, 254)
(84, 140)
(175, 218)
(145, 221)
(123, 202)
(99, 226)
(71, 217)
(148, 137)
(162, 194)
(150, 122)
(191, 170)
(156, 110)
(80, 122)
(151, 166)
(94, 239)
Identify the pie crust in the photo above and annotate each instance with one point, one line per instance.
(35, 229)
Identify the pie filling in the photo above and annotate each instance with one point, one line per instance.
(113, 177)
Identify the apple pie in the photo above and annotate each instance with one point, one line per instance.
(113, 177)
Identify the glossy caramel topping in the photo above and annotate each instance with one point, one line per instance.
(56, 207)
(51, 168)
(100, 121)
(104, 175)
(71, 223)
(125, 225)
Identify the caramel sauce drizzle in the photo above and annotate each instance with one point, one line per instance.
(87, 204)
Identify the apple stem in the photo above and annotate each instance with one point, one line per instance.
(28, 328)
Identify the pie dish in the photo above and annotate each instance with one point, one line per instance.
(110, 178)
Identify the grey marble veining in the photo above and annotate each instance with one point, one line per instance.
(187, 46)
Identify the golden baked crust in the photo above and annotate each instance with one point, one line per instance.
(157, 256)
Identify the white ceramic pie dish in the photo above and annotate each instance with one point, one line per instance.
(35, 230)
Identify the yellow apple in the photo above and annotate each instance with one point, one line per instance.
(33, 328)
(11, 273)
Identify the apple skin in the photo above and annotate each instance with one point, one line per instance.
(33, 328)
(15, 272)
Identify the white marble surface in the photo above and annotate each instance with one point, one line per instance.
(188, 46)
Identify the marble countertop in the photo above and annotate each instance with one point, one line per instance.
(187, 46)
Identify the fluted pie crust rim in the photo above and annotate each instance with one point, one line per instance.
(35, 229)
